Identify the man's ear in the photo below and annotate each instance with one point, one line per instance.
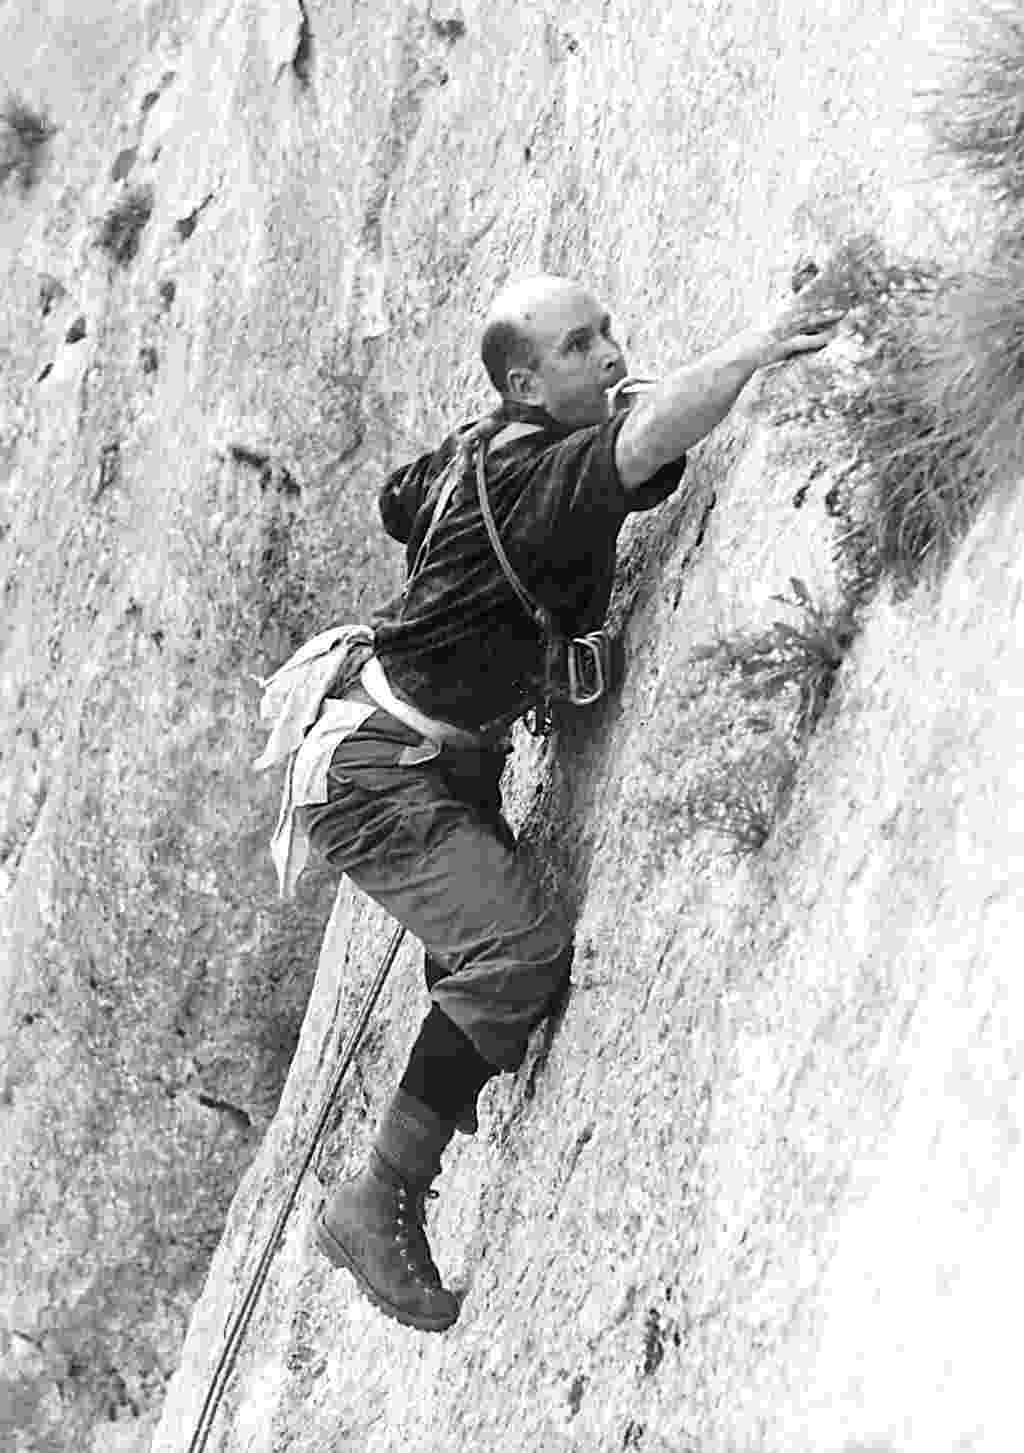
(523, 385)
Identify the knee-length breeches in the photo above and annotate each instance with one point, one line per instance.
(419, 829)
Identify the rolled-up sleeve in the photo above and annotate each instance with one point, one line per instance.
(656, 490)
(401, 496)
(404, 492)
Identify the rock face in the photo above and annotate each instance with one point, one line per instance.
(757, 1189)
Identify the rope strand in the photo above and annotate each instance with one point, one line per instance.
(240, 1322)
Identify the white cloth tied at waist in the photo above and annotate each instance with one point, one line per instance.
(293, 695)
(307, 728)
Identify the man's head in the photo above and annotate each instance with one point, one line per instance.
(547, 341)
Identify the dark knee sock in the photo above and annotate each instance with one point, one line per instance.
(445, 1071)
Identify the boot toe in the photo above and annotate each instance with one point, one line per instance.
(383, 1268)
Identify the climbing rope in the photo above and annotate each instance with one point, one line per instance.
(243, 1316)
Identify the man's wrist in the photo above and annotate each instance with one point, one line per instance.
(755, 347)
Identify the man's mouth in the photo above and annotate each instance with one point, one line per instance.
(624, 393)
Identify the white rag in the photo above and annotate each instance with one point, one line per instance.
(293, 695)
(305, 730)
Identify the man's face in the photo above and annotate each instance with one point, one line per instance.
(578, 359)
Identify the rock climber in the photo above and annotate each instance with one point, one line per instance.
(396, 734)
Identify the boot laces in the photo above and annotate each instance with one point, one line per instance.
(410, 1216)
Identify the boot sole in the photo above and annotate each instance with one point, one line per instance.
(338, 1256)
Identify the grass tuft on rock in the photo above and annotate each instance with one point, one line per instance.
(978, 118)
(739, 798)
(931, 422)
(930, 417)
(123, 225)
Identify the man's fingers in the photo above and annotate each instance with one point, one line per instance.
(808, 342)
(802, 328)
(820, 322)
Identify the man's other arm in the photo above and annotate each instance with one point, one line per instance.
(689, 402)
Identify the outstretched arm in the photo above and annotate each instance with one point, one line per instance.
(691, 401)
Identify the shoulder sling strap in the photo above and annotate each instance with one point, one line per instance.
(538, 613)
(586, 659)
(555, 645)
(489, 428)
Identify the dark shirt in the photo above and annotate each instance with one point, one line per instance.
(457, 642)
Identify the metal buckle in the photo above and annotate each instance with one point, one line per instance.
(588, 659)
(539, 720)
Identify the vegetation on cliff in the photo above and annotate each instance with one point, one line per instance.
(24, 135)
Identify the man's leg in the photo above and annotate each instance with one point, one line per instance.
(449, 873)
(462, 1082)
(413, 839)
(428, 1049)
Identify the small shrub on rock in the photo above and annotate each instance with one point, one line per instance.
(800, 659)
(24, 134)
(754, 700)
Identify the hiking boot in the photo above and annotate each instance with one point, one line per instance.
(373, 1227)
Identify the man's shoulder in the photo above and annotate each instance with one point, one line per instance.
(537, 445)
(564, 481)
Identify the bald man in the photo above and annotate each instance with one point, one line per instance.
(412, 743)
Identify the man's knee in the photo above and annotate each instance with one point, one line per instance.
(550, 991)
(498, 1005)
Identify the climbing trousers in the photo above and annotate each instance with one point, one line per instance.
(418, 827)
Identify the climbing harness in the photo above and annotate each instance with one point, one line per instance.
(240, 1322)
(576, 669)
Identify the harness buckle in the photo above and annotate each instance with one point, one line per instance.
(539, 720)
(588, 659)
